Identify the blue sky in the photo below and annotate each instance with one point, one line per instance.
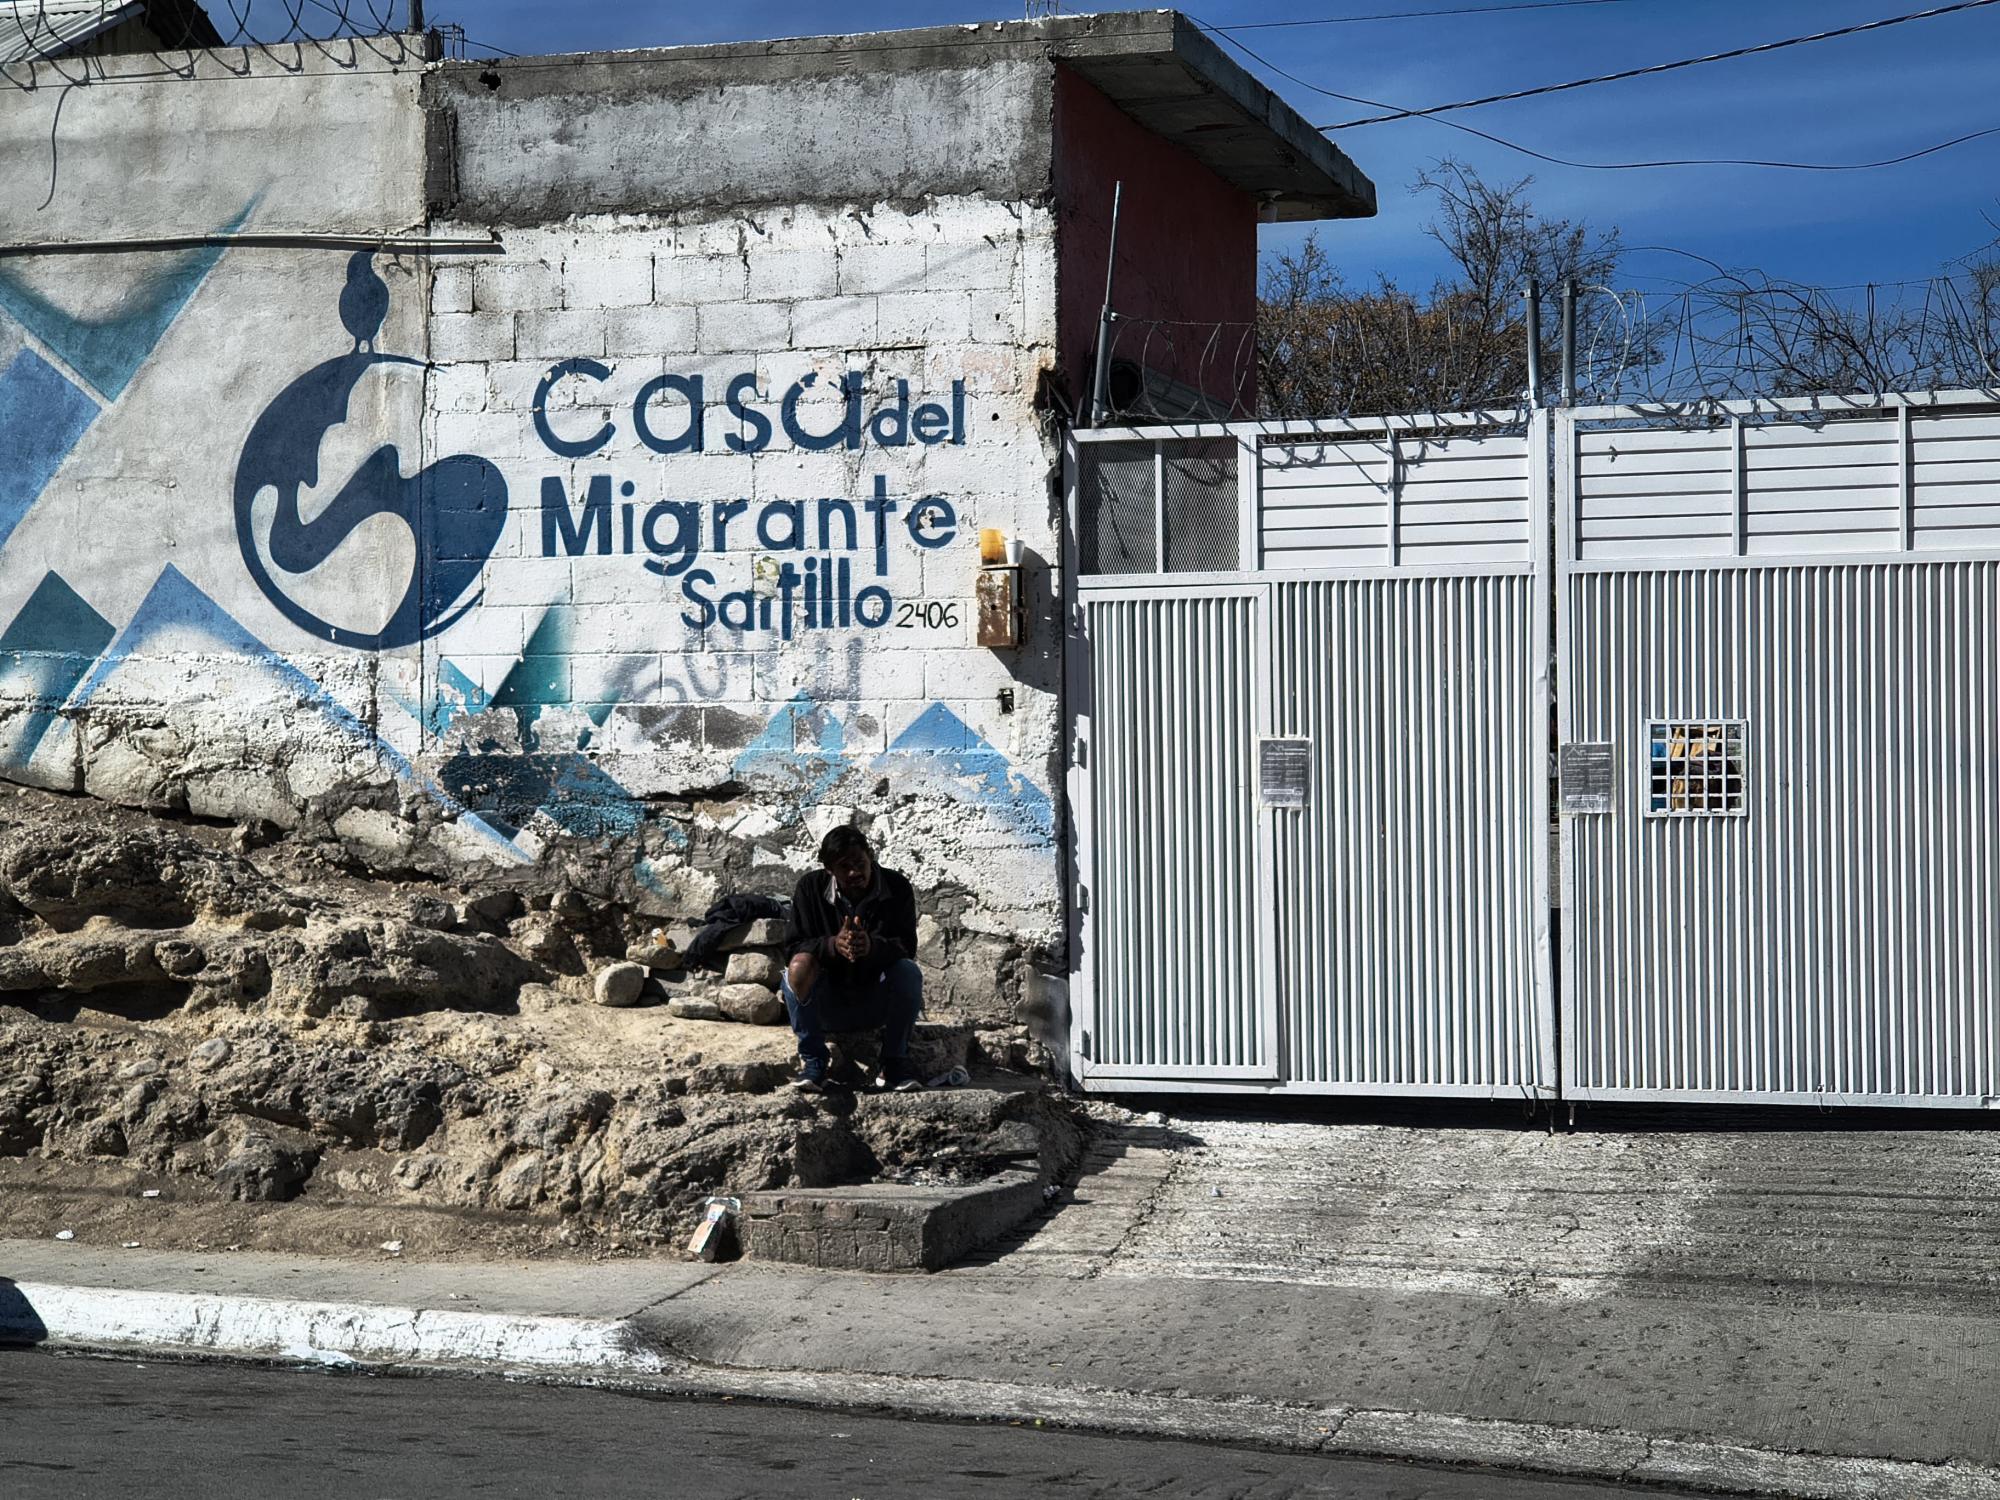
(1851, 99)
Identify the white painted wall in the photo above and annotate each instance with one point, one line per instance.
(556, 706)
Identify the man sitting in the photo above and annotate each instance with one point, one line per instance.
(854, 929)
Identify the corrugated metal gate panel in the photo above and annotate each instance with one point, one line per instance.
(1835, 942)
(1389, 584)
(1390, 498)
(1177, 929)
(1406, 890)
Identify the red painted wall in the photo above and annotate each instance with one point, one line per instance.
(1187, 250)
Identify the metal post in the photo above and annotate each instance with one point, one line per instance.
(416, 17)
(1099, 392)
(1569, 343)
(1534, 344)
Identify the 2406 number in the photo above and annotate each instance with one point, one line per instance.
(933, 614)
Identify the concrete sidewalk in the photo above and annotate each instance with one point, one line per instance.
(1761, 1392)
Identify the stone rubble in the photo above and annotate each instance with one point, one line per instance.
(239, 1018)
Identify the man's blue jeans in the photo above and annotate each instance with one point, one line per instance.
(891, 1004)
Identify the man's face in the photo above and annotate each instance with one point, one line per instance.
(852, 872)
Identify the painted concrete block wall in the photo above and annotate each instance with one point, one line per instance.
(432, 556)
(137, 659)
(747, 460)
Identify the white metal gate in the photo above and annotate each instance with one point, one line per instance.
(1780, 656)
(1307, 670)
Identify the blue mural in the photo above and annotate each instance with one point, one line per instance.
(58, 654)
(454, 508)
(107, 352)
(802, 749)
(42, 416)
(44, 653)
(943, 752)
(175, 605)
(43, 411)
(508, 789)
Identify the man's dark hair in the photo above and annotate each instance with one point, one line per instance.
(845, 839)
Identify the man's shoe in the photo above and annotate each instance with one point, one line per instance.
(899, 1077)
(812, 1076)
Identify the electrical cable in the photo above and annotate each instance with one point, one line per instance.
(1601, 166)
(1414, 15)
(1687, 62)
(241, 17)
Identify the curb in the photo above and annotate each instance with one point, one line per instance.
(618, 1352)
(315, 1332)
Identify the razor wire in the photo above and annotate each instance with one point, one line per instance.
(1745, 337)
(1679, 352)
(53, 43)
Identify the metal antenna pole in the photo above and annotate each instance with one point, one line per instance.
(416, 17)
(1099, 391)
(1569, 343)
(1534, 344)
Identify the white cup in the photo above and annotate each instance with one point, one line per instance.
(1013, 552)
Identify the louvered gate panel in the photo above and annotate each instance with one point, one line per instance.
(1408, 893)
(1176, 941)
(1781, 638)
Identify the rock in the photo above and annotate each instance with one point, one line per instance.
(1003, 1047)
(936, 1048)
(368, 968)
(104, 1138)
(430, 912)
(145, 1067)
(688, 1008)
(738, 1077)
(256, 1162)
(496, 907)
(254, 834)
(753, 968)
(661, 958)
(179, 959)
(520, 1184)
(765, 932)
(570, 910)
(545, 942)
(210, 1054)
(751, 1003)
(620, 984)
(930, 941)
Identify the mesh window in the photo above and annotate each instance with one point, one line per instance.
(1201, 506)
(1115, 508)
(1694, 766)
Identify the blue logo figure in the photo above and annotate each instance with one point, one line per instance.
(455, 508)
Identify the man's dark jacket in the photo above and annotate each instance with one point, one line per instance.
(888, 914)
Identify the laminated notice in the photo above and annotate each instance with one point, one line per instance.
(1585, 772)
(1283, 768)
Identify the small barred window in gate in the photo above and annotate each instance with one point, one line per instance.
(1694, 766)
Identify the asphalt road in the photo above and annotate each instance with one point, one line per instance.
(82, 1428)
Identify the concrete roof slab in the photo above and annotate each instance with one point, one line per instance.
(1157, 66)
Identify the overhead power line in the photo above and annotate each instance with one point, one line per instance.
(1417, 15)
(1666, 67)
(1600, 166)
